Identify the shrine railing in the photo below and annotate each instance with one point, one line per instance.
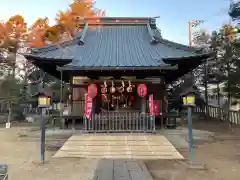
(120, 122)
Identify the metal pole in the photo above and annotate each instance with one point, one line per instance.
(190, 136)
(43, 132)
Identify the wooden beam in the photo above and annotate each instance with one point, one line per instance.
(134, 81)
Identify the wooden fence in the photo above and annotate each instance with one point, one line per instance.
(219, 113)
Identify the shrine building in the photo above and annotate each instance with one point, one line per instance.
(117, 69)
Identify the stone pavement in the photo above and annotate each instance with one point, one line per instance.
(122, 170)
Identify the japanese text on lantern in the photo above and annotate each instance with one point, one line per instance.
(88, 107)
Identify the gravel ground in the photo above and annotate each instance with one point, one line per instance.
(216, 148)
(22, 155)
(217, 151)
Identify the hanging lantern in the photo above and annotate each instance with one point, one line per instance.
(142, 90)
(112, 89)
(104, 88)
(121, 89)
(129, 88)
(92, 90)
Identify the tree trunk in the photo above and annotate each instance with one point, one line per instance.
(13, 77)
(13, 64)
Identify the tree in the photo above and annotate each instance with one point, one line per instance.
(227, 67)
(12, 33)
(232, 81)
(15, 34)
(36, 35)
(67, 24)
(10, 93)
(69, 21)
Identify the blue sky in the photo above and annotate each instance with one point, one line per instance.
(173, 21)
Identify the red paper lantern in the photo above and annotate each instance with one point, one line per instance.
(142, 90)
(92, 90)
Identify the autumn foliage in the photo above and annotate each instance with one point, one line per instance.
(40, 33)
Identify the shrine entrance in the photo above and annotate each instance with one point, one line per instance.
(121, 108)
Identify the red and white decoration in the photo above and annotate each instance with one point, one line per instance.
(156, 108)
(153, 106)
(88, 107)
(150, 104)
(142, 90)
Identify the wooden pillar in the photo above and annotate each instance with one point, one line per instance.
(143, 104)
(71, 104)
(62, 121)
(164, 105)
(78, 105)
(157, 89)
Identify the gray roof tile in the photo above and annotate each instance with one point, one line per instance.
(118, 46)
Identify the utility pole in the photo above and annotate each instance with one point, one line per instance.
(190, 39)
(192, 24)
(229, 57)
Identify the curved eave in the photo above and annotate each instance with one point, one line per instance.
(200, 57)
(185, 65)
(53, 60)
(49, 65)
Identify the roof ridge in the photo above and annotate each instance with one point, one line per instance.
(154, 40)
(115, 18)
(85, 28)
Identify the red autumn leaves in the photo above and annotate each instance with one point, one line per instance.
(40, 33)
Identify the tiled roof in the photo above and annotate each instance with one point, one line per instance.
(115, 47)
